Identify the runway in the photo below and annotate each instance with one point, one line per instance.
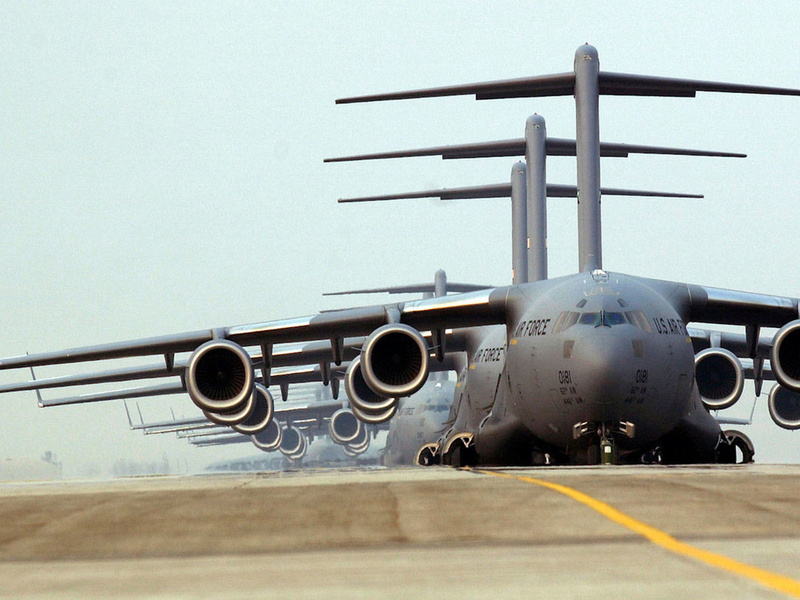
(401, 533)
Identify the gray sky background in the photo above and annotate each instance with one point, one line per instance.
(162, 169)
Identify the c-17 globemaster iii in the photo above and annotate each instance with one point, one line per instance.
(585, 366)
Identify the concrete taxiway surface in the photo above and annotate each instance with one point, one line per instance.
(405, 533)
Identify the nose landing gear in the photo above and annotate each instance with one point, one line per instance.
(605, 452)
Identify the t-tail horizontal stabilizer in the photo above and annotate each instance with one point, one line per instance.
(563, 84)
(419, 288)
(516, 147)
(503, 190)
(438, 287)
(586, 83)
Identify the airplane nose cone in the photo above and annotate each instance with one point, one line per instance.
(603, 365)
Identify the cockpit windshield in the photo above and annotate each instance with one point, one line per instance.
(601, 319)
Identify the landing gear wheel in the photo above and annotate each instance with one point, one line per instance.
(739, 443)
(461, 456)
(593, 455)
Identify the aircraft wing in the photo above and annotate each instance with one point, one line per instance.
(737, 343)
(705, 304)
(485, 307)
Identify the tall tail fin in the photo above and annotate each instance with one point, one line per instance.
(586, 83)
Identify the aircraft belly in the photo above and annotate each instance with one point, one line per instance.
(602, 382)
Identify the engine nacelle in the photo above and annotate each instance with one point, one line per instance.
(219, 376)
(784, 407)
(269, 438)
(263, 409)
(719, 376)
(362, 440)
(395, 360)
(236, 415)
(368, 406)
(785, 356)
(293, 443)
(344, 427)
(374, 418)
(358, 445)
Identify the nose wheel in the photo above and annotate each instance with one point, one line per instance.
(608, 451)
(605, 451)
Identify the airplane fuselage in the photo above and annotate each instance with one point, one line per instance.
(583, 357)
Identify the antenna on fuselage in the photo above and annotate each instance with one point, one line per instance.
(585, 83)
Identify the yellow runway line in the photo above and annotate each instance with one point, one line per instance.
(768, 579)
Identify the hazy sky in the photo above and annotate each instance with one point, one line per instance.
(162, 169)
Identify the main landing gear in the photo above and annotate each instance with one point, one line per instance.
(735, 448)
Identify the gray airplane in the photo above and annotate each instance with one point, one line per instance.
(590, 367)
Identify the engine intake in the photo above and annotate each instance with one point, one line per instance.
(263, 409)
(269, 438)
(375, 418)
(358, 445)
(719, 376)
(293, 443)
(344, 427)
(395, 360)
(219, 376)
(785, 356)
(366, 405)
(784, 407)
(234, 416)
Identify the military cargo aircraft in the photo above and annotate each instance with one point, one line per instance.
(594, 366)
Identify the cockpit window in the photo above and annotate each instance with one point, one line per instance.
(572, 318)
(565, 320)
(636, 317)
(615, 318)
(596, 319)
(559, 324)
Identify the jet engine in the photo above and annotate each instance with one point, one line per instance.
(269, 438)
(263, 409)
(785, 356)
(375, 418)
(365, 404)
(784, 407)
(359, 445)
(219, 376)
(395, 360)
(235, 415)
(293, 443)
(344, 427)
(719, 376)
